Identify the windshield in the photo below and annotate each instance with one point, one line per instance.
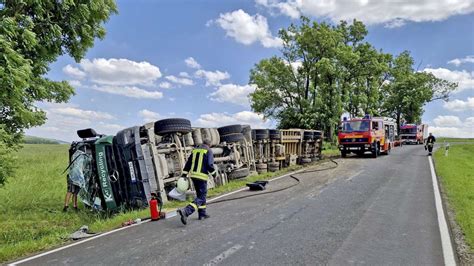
(351, 126)
(408, 130)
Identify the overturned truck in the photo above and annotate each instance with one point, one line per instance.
(127, 170)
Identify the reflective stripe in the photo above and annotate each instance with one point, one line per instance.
(202, 207)
(199, 176)
(196, 172)
(194, 206)
(185, 172)
(213, 173)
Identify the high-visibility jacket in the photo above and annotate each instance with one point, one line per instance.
(200, 164)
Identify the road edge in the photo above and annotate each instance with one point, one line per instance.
(446, 239)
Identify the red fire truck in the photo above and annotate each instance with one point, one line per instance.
(414, 134)
(367, 134)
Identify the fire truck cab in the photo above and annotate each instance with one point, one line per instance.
(367, 134)
(413, 134)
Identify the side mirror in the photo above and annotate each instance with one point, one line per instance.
(340, 128)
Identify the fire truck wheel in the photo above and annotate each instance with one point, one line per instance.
(375, 150)
(172, 125)
(238, 173)
(343, 153)
(232, 129)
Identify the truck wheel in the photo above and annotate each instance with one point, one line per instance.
(274, 133)
(230, 138)
(375, 151)
(238, 173)
(232, 129)
(172, 125)
(343, 153)
(261, 168)
(273, 167)
(261, 134)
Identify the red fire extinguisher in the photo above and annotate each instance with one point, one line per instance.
(154, 211)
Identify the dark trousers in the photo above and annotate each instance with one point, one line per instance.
(199, 203)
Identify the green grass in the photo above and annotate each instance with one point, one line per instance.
(32, 200)
(456, 172)
(441, 140)
(330, 149)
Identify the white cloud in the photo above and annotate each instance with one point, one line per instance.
(165, 85)
(459, 105)
(213, 78)
(149, 116)
(192, 63)
(233, 93)
(75, 83)
(80, 113)
(221, 119)
(247, 29)
(447, 121)
(393, 13)
(119, 71)
(459, 61)
(74, 72)
(184, 74)
(181, 81)
(453, 127)
(129, 91)
(464, 78)
(65, 119)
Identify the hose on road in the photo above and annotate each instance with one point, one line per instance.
(281, 189)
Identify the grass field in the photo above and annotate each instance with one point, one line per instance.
(456, 172)
(31, 203)
(441, 140)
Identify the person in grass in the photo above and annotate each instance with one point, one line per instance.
(72, 191)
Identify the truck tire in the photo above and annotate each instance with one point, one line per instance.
(231, 138)
(238, 173)
(308, 135)
(274, 134)
(343, 153)
(262, 168)
(273, 167)
(172, 125)
(375, 150)
(261, 134)
(232, 129)
(197, 137)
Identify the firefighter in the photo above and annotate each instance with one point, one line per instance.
(198, 166)
(430, 143)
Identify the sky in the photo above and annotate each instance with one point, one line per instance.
(191, 59)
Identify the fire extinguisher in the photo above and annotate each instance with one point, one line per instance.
(154, 211)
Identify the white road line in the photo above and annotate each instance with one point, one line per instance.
(74, 244)
(448, 253)
(224, 255)
(123, 228)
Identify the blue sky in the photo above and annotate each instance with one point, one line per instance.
(182, 59)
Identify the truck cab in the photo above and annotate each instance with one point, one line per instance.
(368, 134)
(413, 133)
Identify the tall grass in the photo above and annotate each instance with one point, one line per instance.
(456, 172)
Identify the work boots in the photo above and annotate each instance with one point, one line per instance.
(184, 216)
(203, 217)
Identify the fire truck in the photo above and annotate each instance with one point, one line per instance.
(413, 134)
(368, 134)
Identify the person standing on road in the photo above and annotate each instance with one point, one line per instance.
(199, 166)
(430, 143)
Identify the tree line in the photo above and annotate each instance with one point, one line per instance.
(325, 71)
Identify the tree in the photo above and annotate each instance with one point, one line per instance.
(409, 90)
(32, 35)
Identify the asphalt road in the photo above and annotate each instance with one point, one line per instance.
(366, 211)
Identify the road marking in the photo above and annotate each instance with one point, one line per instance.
(74, 244)
(123, 228)
(448, 253)
(224, 255)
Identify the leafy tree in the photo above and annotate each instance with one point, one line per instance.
(409, 90)
(32, 35)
